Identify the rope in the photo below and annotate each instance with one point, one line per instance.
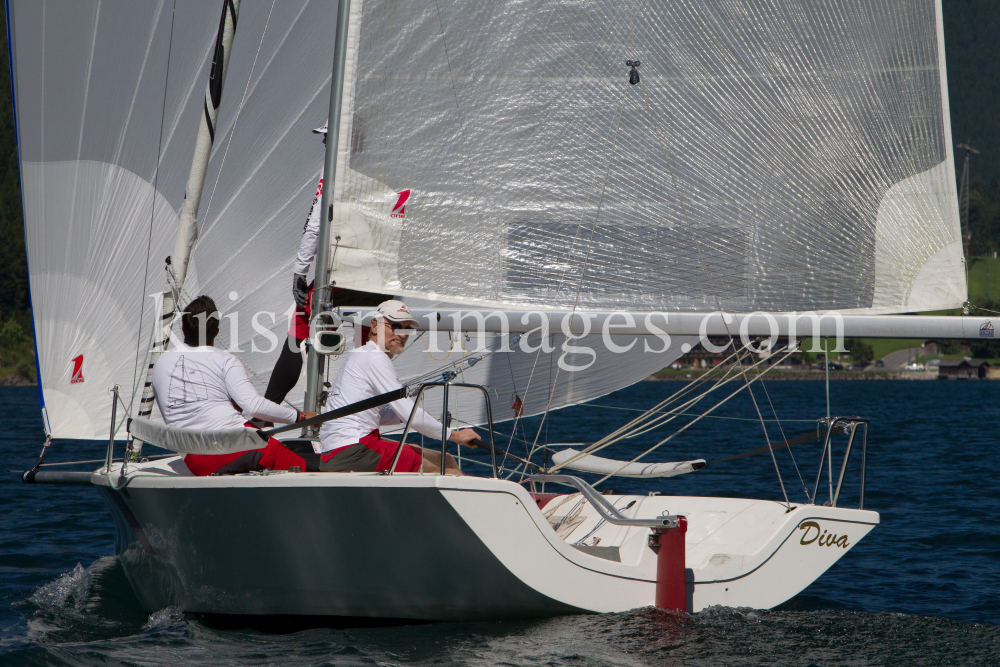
(666, 402)
(427, 347)
(745, 419)
(784, 438)
(601, 444)
(517, 417)
(987, 310)
(69, 463)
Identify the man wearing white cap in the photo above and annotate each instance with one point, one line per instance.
(353, 443)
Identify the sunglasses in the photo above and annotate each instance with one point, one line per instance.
(400, 328)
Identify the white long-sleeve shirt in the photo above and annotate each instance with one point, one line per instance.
(310, 233)
(194, 385)
(368, 372)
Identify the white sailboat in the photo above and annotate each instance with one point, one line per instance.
(788, 159)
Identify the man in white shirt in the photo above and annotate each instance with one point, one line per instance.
(353, 443)
(199, 386)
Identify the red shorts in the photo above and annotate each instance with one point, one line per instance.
(299, 328)
(410, 460)
(274, 456)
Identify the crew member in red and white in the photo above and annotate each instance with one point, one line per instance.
(353, 443)
(199, 386)
(289, 365)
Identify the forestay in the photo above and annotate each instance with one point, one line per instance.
(498, 157)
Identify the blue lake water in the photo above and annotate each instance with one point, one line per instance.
(922, 589)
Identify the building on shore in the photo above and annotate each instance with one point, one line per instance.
(965, 369)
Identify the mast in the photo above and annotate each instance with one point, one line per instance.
(187, 224)
(321, 291)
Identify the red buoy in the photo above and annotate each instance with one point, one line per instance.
(671, 587)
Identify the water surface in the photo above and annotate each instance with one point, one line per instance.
(922, 589)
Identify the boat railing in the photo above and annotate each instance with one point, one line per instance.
(607, 511)
(851, 426)
(447, 385)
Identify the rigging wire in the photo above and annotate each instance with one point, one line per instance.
(784, 438)
(701, 258)
(746, 419)
(674, 398)
(601, 444)
(152, 218)
(689, 425)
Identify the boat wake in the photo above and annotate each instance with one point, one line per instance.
(86, 604)
(90, 616)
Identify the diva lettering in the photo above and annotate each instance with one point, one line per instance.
(814, 534)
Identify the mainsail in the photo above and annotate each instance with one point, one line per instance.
(810, 143)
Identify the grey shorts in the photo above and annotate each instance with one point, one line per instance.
(355, 458)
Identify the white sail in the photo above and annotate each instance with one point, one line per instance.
(810, 144)
(106, 109)
(260, 181)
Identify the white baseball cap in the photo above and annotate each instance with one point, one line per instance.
(394, 311)
(321, 130)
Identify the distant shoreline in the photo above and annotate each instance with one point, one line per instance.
(810, 375)
(17, 381)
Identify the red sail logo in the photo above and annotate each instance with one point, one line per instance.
(77, 375)
(399, 210)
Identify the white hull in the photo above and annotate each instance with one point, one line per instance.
(444, 548)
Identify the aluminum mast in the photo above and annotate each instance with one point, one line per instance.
(321, 282)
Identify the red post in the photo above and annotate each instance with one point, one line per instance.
(671, 588)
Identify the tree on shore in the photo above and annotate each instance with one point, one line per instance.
(861, 352)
